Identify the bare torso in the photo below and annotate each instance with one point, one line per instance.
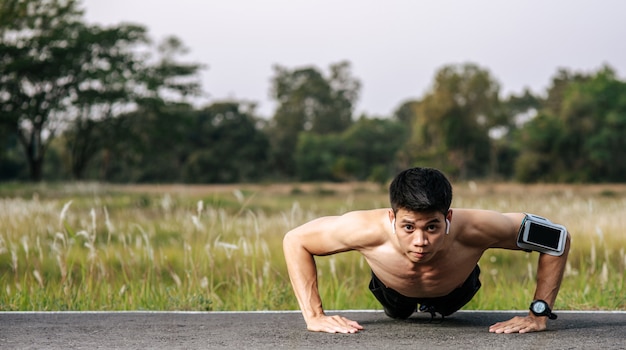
(446, 271)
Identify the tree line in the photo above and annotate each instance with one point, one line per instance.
(86, 102)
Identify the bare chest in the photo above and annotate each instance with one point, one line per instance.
(426, 280)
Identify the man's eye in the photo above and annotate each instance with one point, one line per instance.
(408, 227)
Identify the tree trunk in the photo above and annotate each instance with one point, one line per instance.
(36, 169)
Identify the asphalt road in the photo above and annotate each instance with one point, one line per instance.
(286, 330)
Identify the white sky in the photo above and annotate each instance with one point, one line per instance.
(394, 46)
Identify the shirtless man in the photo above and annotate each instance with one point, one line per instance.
(420, 252)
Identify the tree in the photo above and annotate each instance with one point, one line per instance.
(406, 112)
(371, 144)
(106, 87)
(452, 122)
(365, 150)
(539, 138)
(519, 109)
(316, 156)
(50, 60)
(64, 75)
(308, 101)
(539, 141)
(36, 54)
(594, 115)
(129, 79)
(578, 134)
(226, 145)
(561, 82)
(168, 80)
(11, 163)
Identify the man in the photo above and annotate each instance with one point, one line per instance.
(420, 252)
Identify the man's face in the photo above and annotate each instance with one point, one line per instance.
(420, 235)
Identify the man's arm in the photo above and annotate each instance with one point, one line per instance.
(323, 236)
(550, 270)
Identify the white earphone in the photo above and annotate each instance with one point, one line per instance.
(447, 226)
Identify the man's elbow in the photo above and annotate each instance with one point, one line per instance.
(568, 242)
(290, 241)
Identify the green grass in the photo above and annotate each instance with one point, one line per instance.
(220, 248)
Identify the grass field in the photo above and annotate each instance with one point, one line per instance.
(170, 247)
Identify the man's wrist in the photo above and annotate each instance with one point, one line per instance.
(309, 315)
(541, 308)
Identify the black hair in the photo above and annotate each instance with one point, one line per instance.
(421, 190)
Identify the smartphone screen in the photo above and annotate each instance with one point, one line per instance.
(543, 235)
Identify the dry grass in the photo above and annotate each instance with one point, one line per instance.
(175, 247)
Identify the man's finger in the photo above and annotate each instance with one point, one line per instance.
(516, 325)
(354, 324)
(335, 324)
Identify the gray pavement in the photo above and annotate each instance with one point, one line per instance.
(286, 330)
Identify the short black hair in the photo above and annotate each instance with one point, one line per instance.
(421, 190)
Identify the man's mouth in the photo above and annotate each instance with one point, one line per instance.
(419, 255)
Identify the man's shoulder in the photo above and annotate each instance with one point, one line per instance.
(369, 227)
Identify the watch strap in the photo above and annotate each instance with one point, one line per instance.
(547, 312)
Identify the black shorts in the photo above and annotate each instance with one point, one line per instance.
(399, 306)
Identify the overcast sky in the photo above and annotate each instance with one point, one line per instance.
(394, 46)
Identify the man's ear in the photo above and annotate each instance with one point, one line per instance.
(392, 219)
(448, 217)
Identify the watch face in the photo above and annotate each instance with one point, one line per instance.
(539, 307)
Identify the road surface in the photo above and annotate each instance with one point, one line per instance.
(286, 330)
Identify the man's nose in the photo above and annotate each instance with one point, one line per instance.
(419, 238)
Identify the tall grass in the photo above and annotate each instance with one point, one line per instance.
(97, 247)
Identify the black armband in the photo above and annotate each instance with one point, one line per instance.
(541, 235)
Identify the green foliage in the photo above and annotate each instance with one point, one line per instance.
(227, 146)
(371, 143)
(60, 72)
(177, 143)
(129, 78)
(309, 102)
(595, 113)
(537, 162)
(41, 59)
(144, 146)
(452, 122)
(12, 163)
(561, 82)
(578, 139)
(316, 155)
(368, 147)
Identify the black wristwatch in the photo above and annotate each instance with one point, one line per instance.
(541, 308)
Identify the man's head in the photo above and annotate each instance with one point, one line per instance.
(421, 190)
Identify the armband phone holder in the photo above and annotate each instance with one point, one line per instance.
(541, 235)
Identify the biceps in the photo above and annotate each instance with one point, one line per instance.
(507, 229)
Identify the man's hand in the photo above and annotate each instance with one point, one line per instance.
(333, 324)
(520, 325)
